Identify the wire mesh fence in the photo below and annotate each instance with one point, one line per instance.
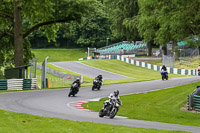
(33, 64)
(61, 74)
(189, 65)
(168, 60)
(55, 82)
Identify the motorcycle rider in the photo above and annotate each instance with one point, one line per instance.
(78, 82)
(100, 78)
(164, 68)
(199, 70)
(164, 72)
(113, 96)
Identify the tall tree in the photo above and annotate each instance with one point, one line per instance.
(165, 21)
(94, 29)
(38, 14)
(124, 17)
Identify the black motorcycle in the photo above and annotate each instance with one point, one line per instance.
(110, 109)
(74, 90)
(96, 84)
(164, 75)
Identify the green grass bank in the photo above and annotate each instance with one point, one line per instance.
(24, 123)
(56, 55)
(135, 73)
(161, 106)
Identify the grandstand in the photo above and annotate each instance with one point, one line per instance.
(184, 43)
(122, 48)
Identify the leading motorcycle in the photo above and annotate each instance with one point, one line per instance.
(164, 75)
(110, 108)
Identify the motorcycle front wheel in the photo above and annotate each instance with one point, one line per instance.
(93, 87)
(70, 93)
(113, 113)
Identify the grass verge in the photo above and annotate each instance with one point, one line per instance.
(191, 63)
(135, 73)
(54, 81)
(63, 54)
(87, 81)
(24, 123)
(161, 106)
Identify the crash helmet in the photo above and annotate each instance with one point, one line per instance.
(78, 79)
(116, 93)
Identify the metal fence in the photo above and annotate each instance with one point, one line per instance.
(168, 61)
(61, 74)
(33, 64)
(189, 64)
(188, 52)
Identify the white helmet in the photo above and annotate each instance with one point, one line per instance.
(111, 96)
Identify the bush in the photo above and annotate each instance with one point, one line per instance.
(1, 74)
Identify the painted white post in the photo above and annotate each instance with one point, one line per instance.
(88, 51)
(44, 73)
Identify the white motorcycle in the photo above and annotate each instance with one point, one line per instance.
(110, 108)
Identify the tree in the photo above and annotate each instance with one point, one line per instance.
(44, 14)
(124, 18)
(147, 21)
(94, 28)
(165, 21)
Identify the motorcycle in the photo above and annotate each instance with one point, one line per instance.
(110, 109)
(198, 71)
(74, 90)
(164, 75)
(96, 84)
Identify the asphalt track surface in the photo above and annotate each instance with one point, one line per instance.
(56, 104)
(86, 70)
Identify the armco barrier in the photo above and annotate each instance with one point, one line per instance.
(18, 84)
(157, 68)
(3, 85)
(196, 102)
(15, 84)
(153, 67)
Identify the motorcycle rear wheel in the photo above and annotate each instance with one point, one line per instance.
(101, 113)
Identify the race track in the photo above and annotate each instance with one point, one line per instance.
(55, 103)
(86, 70)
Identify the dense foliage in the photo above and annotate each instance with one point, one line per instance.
(88, 23)
(18, 19)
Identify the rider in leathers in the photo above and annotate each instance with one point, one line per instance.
(113, 96)
(78, 82)
(100, 78)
